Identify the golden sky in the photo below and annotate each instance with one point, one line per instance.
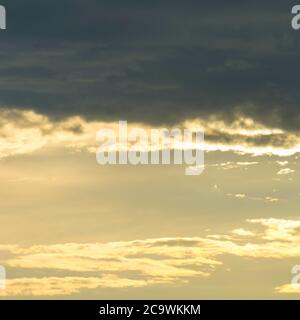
(73, 228)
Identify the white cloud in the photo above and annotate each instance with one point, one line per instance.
(282, 163)
(288, 288)
(285, 171)
(242, 232)
(152, 261)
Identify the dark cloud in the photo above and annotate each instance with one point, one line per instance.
(152, 61)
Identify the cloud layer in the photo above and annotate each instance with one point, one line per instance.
(157, 63)
(146, 262)
(23, 132)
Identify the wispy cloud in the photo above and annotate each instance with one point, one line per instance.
(288, 288)
(285, 171)
(53, 286)
(152, 261)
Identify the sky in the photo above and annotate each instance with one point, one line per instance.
(73, 229)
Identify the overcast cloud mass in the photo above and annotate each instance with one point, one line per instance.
(155, 62)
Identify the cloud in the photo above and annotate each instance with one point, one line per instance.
(244, 196)
(26, 131)
(234, 165)
(282, 163)
(271, 199)
(279, 229)
(288, 288)
(159, 63)
(151, 261)
(55, 286)
(285, 171)
(240, 195)
(242, 232)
